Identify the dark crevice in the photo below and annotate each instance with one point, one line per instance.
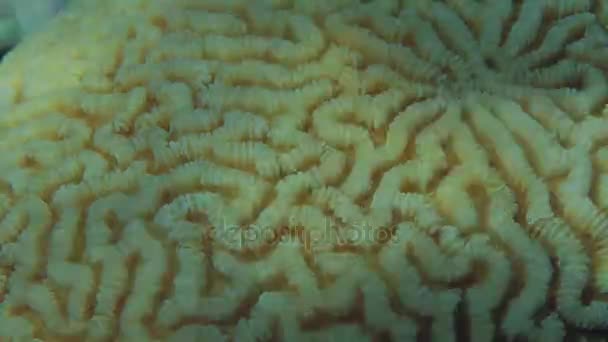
(511, 20)
(547, 21)
(553, 59)
(4, 51)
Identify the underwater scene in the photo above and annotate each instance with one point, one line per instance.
(303, 170)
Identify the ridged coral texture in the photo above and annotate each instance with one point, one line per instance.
(302, 170)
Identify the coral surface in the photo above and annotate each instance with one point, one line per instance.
(302, 170)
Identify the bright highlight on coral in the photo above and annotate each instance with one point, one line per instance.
(297, 170)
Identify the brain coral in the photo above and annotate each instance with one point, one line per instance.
(297, 170)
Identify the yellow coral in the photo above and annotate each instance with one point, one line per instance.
(208, 170)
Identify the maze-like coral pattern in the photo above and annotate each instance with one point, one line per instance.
(338, 170)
